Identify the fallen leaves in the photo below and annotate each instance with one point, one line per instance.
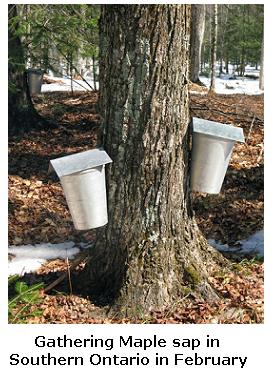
(242, 303)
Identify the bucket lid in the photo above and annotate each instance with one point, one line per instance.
(35, 71)
(216, 129)
(78, 162)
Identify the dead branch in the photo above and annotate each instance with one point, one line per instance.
(240, 116)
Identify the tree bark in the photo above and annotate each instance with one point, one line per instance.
(214, 47)
(196, 40)
(94, 74)
(151, 253)
(261, 79)
(226, 63)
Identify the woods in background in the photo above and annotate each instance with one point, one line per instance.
(64, 40)
(238, 35)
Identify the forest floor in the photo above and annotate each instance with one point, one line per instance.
(38, 212)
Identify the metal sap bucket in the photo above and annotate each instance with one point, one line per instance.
(35, 78)
(212, 146)
(82, 176)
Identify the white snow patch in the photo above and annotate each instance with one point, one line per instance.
(28, 258)
(219, 246)
(227, 86)
(78, 85)
(252, 245)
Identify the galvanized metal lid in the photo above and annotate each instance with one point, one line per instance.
(35, 70)
(74, 163)
(216, 129)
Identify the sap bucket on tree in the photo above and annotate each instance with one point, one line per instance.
(82, 176)
(35, 78)
(212, 145)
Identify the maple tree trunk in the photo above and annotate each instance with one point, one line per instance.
(151, 253)
(21, 112)
(196, 40)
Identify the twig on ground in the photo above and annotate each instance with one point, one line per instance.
(64, 275)
(196, 106)
(68, 270)
(260, 154)
(250, 130)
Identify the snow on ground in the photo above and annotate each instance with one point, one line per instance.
(78, 85)
(228, 86)
(253, 245)
(224, 84)
(28, 258)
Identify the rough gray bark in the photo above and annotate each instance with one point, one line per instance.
(151, 253)
(196, 40)
(214, 29)
(261, 79)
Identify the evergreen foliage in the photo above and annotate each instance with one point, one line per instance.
(57, 36)
(240, 31)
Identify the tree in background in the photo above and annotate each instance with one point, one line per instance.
(214, 30)
(21, 112)
(59, 37)
(151, 253)
(222, 53)
(196, 40)
(261, 81)
(35, 32)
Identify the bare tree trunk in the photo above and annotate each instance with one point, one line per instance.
(196, 40)
(94, 73)
(27, 15)
(22, 115)
(223, 26)
(151, 253)
(226, 63)
(214, 47)
(261, 79)
(21, 112)
(243, 52)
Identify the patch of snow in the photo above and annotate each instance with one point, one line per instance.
(253, 245)
(228, 86)
(86, 245)
(28, 258)
(221, 247)
(78, 85)
(22, 266)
